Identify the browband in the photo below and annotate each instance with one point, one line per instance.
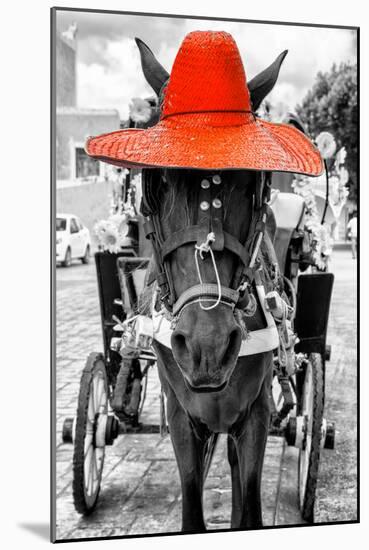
(191, 234)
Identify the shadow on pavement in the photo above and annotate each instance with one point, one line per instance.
(40, 529)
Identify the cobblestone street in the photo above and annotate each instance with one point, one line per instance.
(140, 490)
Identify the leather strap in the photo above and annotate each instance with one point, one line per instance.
(179, 238)
(148, 228)
(202, 291)
(203, 215)
(217, 217)
(190, 234)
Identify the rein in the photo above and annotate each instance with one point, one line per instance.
(208, 236)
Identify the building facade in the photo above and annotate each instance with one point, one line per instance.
(74, 123)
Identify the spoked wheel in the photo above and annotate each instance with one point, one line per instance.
(312, 411)
(90, 429)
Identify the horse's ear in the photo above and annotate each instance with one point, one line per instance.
(155, 73)
(263, 83)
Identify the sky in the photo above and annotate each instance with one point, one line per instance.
(109, 71)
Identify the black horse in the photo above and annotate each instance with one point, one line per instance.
(210, 389)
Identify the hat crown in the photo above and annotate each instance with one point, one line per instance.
(207, 75)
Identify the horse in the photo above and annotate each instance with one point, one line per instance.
(210, 389)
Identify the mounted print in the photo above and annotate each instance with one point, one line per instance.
(205, 237)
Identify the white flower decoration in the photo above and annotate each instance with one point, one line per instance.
(344, 175)
(341, 156)
(121, 222)
(326, 144)
(108, 236)
(139, 110)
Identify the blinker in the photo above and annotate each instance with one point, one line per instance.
(205, 184)
(217, 179)
(204, 205)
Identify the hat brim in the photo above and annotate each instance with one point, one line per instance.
(255, 145)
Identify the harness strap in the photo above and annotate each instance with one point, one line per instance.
(252, 245)
(190, 234)
(148, 228)
(204, 290)
(152, 232)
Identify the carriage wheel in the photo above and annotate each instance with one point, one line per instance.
(312, 410)
(89, 445)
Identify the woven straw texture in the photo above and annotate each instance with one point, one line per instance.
(206, 120)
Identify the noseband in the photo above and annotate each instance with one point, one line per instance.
(208, 236)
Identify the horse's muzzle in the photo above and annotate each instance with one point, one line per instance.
(206, 358)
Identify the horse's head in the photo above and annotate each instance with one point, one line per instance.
(191, 207)
(207, 338)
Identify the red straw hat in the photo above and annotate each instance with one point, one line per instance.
(207, 120)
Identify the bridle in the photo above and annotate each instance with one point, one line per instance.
(208, 236)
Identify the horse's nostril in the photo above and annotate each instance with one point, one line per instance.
(179, 345)
(233, 347)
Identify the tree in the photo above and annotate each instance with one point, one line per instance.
(331, 105)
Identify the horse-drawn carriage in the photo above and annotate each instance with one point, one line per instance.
(258, 344)
(113, 388)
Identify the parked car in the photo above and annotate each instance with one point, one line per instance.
(73, 240)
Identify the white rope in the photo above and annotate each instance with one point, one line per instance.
(205, 247)
(293, 296)
(201, 249)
